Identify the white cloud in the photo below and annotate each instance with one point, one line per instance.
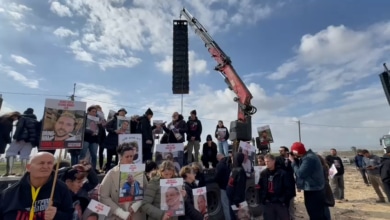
(117, 33)
(64, 32)
(21, 60)
(16, 15)
(196, 66)
(29, 82)
(60, 10)
(98, 95)
(80, 53)
(334, 58)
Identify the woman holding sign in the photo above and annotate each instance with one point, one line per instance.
(151, 204)
(110, 186)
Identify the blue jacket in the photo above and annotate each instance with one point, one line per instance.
(359, 161)
(309, 173)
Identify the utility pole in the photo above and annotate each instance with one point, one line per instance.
(299, 130)
(1, 100)
(74, 92)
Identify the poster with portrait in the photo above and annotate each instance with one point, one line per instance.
(221, 133)
(258, 170)
(171, 152)
(63, 124)
(135, 142)
(265, 135)
(92, 124)
(172, 200)
(158, 130)
(123, 124)
(110, 115)
(249, 152)
(96, 211)
(200, 201)
(131, 183)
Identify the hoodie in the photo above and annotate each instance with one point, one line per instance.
(236, 187)
(194, 129)
(384, 169)
(15, 201)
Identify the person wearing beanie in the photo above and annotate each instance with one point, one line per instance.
(384, 171)
(310, 179)
(194, 131)
(209, 153)
(145, 128)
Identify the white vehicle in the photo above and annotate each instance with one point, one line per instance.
(385, 141)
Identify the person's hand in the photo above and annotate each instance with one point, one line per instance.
(166, 216)
(183, 193)
(291, 158)
(50, 212)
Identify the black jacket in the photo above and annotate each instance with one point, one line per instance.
(145, 128)
(5, 132)
(194, 129)
(281, 163)
(222, 173)
(191, 212)
(15, 201)
(27, 129)
(384, 169)
(236, 187)
(279, 190)
(337, 162)
(213, 150)
(111, 141)
(180, 125)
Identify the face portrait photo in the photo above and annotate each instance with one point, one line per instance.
(172, 200)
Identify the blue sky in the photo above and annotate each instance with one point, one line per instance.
(316, 61)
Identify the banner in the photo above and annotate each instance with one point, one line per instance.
(171, 198)
(258, 170)
(63, 125)
(171, 152)
(131, 183)
(123, 124)
(96, 211)
(249, 152)
(200, 201)
(134, 141)
(265, 135)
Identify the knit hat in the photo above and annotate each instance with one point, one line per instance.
(29, 111)
(209, 138)
(298, 148)
(122, 109)
(193, 112)
(149, 112)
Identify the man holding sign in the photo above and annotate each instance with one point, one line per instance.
(30, 197)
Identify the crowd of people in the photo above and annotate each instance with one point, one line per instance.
(295, 169)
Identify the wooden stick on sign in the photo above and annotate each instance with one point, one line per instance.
(55, 178)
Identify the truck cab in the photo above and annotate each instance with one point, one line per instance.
(385, 142)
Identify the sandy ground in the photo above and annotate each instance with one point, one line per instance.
(361, 202)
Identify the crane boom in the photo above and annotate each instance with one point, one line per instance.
(231, 78)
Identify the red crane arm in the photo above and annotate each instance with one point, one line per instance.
(225, 67)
